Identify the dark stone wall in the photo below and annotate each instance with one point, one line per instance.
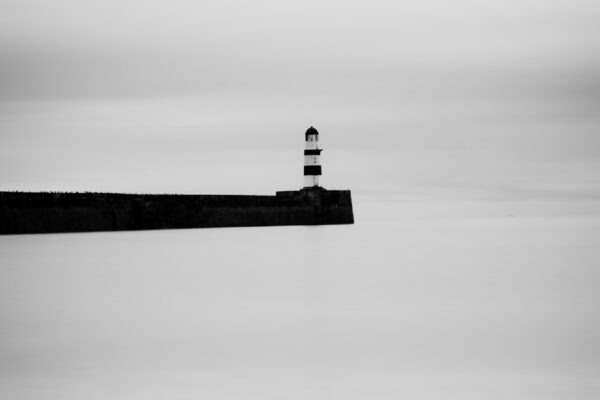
(23, 212)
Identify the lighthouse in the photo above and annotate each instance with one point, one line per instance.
(312, 166)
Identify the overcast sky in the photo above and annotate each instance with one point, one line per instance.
(495, 99)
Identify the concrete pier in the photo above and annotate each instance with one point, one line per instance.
(31, 212)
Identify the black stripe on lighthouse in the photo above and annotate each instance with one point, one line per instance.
(312, 170)
(314, 152)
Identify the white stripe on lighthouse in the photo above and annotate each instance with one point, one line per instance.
(311, 180)
(311, 160)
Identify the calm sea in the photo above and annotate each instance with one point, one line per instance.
(417, 300)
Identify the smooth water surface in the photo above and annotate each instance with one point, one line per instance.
(417, 300)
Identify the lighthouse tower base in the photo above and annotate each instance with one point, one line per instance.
(311, 181)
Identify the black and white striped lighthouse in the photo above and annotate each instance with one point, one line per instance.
(312, 166)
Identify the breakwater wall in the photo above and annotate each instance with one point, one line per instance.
(28, 212)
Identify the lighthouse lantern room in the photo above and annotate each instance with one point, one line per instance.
(312, 165)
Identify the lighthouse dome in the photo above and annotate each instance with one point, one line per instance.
(311, 131)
